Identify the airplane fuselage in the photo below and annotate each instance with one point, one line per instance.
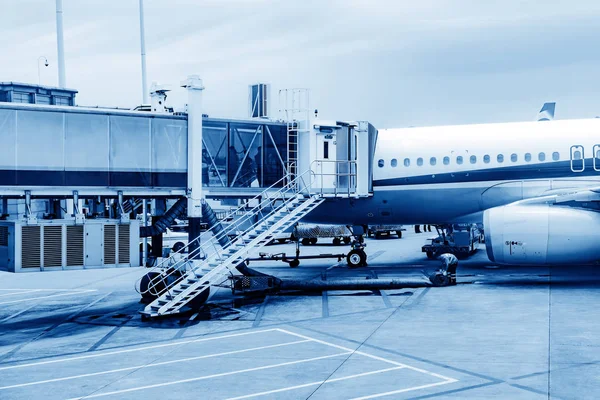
(448, 174)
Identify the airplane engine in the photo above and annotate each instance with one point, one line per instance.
(541, 234)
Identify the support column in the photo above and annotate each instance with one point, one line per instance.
(159, 207)
(194, 162)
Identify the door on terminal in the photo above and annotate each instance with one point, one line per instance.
(325, 167)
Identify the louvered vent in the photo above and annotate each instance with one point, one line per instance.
(4, 236)
(52, 246)
(30, 247)
(74, 245)
(110, 244)
(124, 244)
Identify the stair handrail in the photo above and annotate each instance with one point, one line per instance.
(216, 248)
(293, 185)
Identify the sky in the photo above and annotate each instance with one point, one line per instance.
(395, 63)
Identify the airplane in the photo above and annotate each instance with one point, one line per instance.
(534, 186)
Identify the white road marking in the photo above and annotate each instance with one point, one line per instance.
(134, 350)
(47, 297)
(424, 371)
(199, 378)
(410, 389)
(314, 383)
(16, 293)
(18, 313)
(49, 290)
(181, 360)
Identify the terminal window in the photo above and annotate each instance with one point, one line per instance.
(61, 101)
(20, 97)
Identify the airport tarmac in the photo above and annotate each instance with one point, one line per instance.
(502, 332)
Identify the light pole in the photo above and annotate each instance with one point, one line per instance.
(45, 64)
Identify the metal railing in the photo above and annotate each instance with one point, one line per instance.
(206, 248)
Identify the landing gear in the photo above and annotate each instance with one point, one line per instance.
(356, 258)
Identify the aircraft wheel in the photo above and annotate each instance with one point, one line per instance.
(294, 263)
(313, 240)
(151, 286)
(430, 255)
(399, 233)
(356, 258)
(178, 246)
(347, 240)
(337, 241)
(305, 241)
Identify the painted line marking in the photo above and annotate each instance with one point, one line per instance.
(18, 313)
(49, 290)
(314, 383)
(241, 371)
(410, 389)
(158, 346)
(17, 293)
(446, 378)
(47, 297)
(153, 365)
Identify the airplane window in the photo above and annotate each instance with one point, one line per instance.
(513, 157)
(380, 163)
(473, 159)
(407, 162)
(447, 159)
(542, 156)
(500, 158)
(394, 163)
(597, 153)
(459, 160)
(486, 159)
(432, 161)
(528, 157)
(419, 161)
(576, 155)
(555, 156)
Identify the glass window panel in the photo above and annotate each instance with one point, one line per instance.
(42, 99)
(527, 157)
(459, 160)
(500, 158)
(486, 159)
(272, 168)
(473, 159)
(514, 157)
(542, 156)
(20, 97)
(556, 156)
(446, 160)
(244, 143)
(214, 153)
(394, 163)
(419, 161)
(432, 161)
(407, 162)
(40, 140)
(380, 163)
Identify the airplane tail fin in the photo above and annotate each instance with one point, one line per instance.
(547, 112)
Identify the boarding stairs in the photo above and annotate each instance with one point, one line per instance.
(185, 278)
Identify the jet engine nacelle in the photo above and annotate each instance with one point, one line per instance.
(541, 234)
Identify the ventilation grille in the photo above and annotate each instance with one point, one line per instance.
(4, 236)
(110, 242)
(124, 244)
(52, 246)
(30, 247)
(75, 246)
